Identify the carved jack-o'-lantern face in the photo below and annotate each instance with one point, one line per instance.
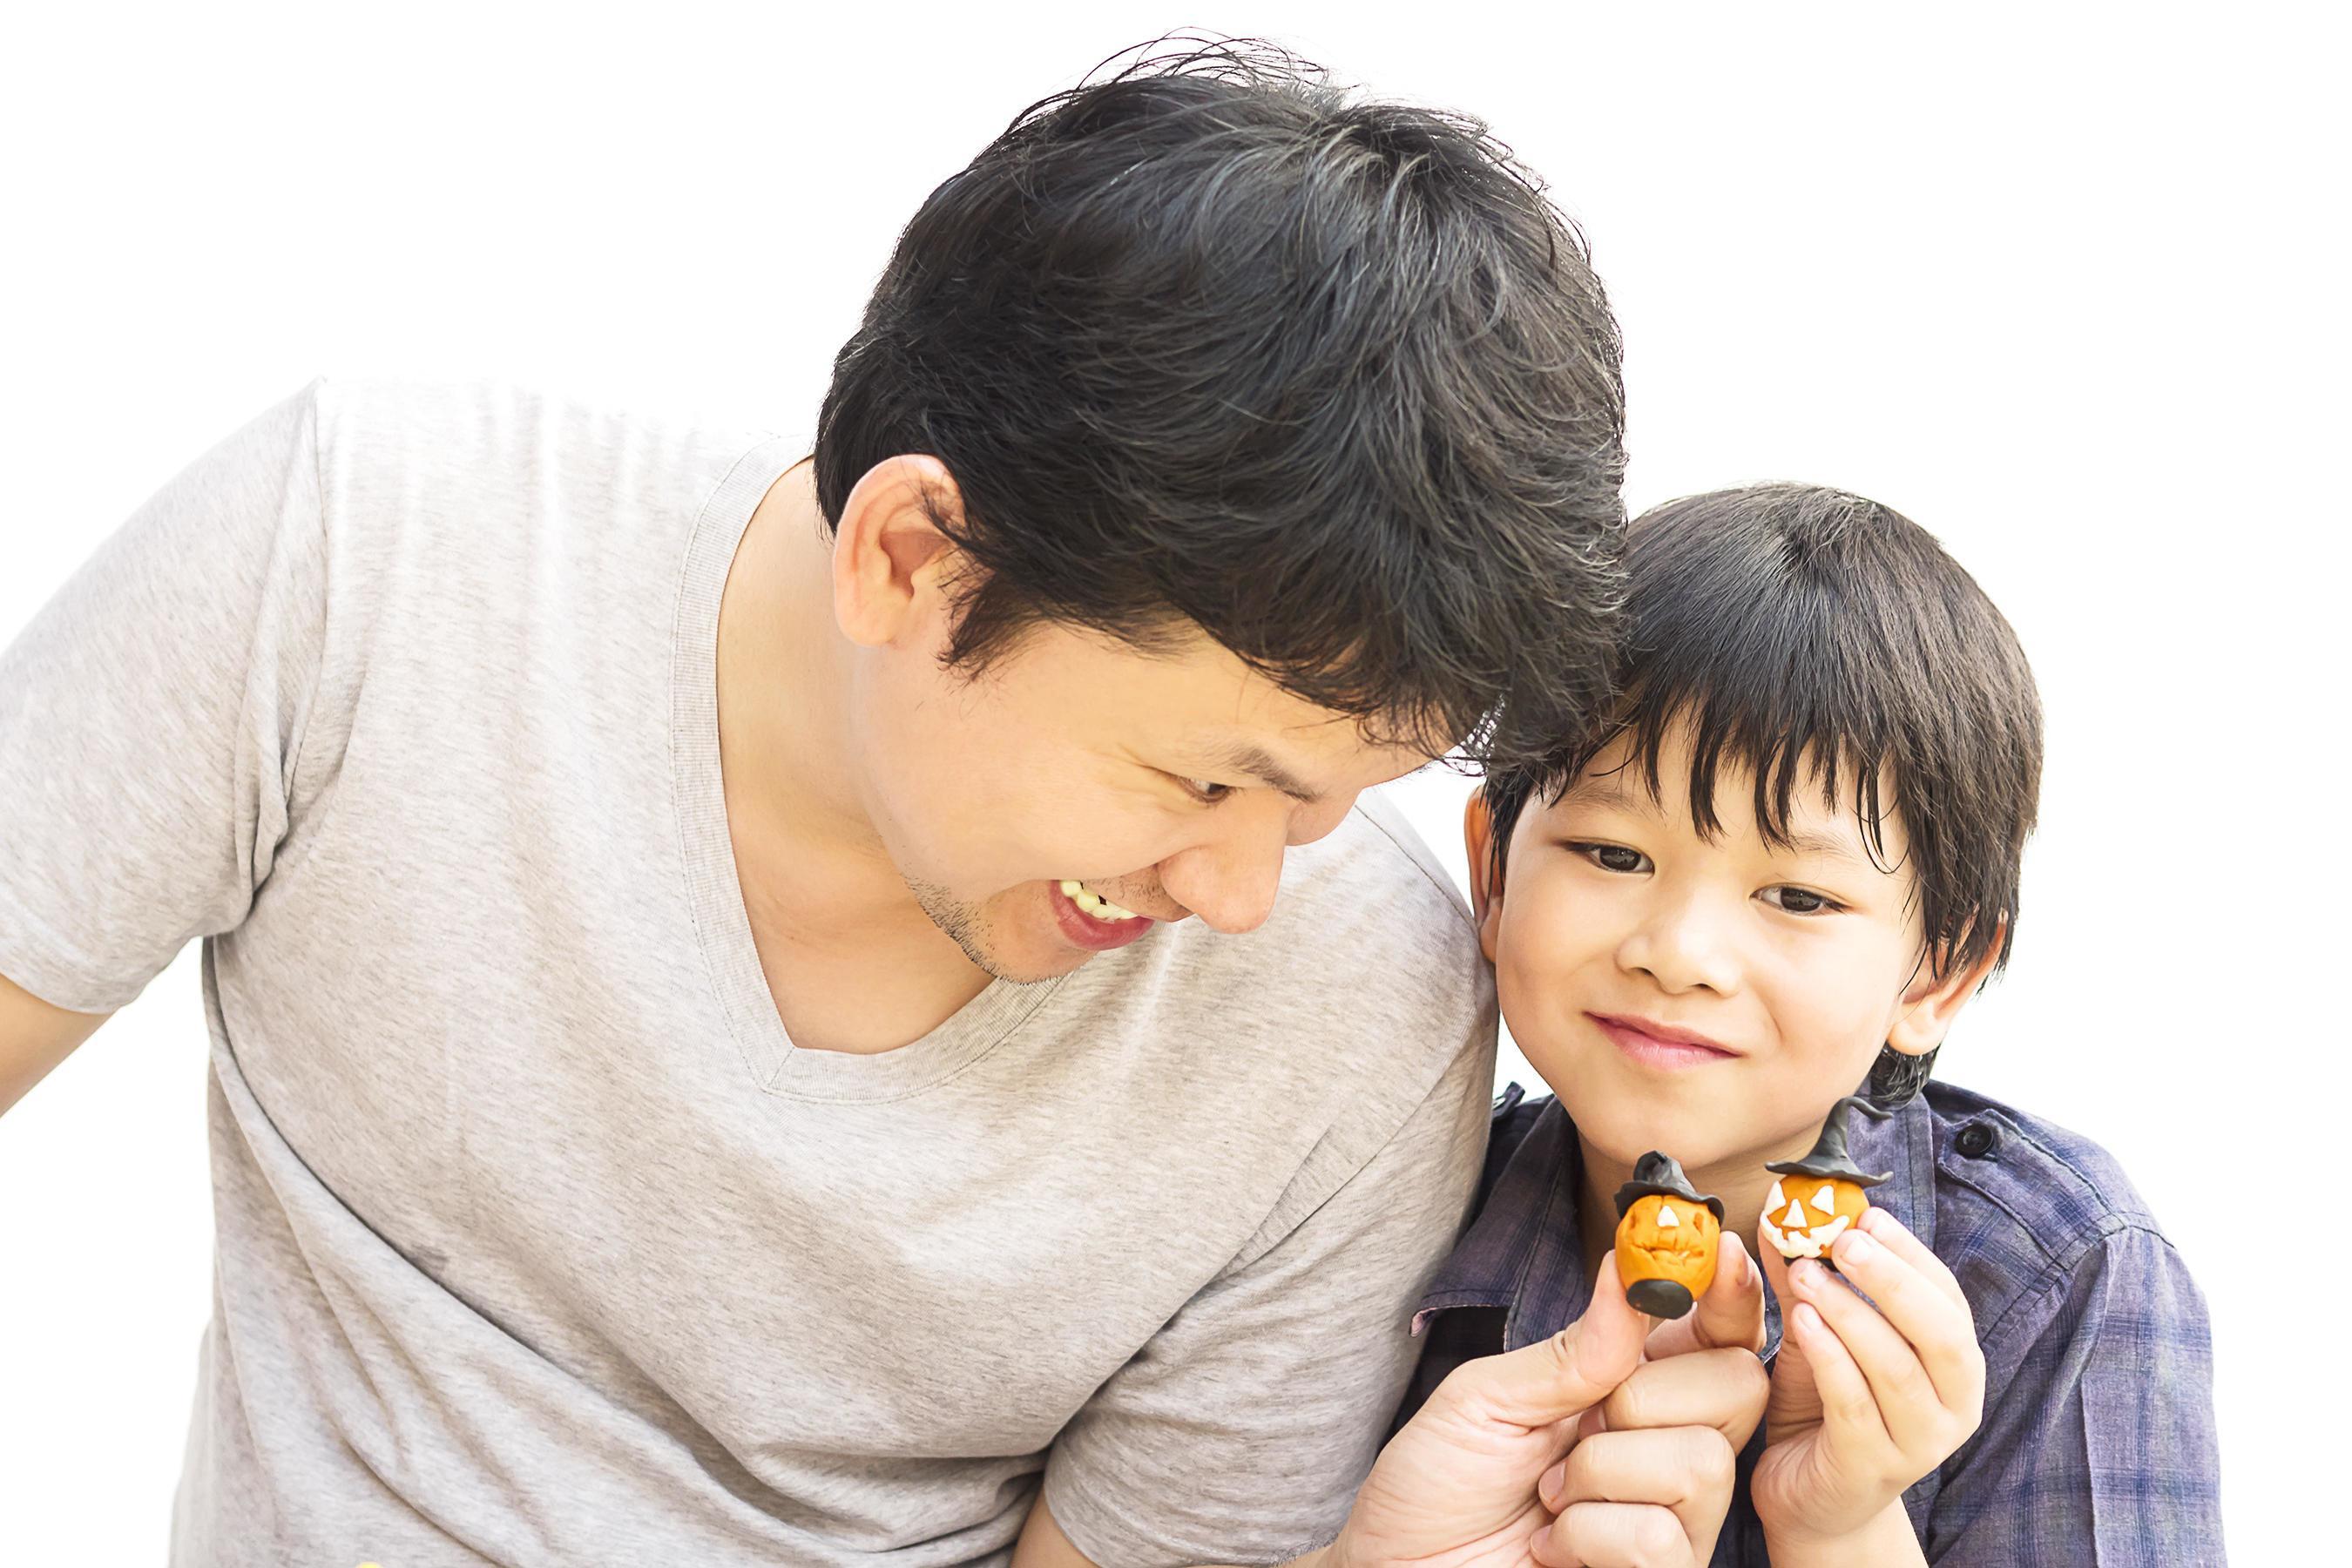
(1665, 1253)
(1802, 1215)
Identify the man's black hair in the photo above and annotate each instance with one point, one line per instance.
(1208, 342)
(1820, 640)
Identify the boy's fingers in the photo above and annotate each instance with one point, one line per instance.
(1559, 1377)
(1796, 1401)
(1730, 1314)
(1722, 1389)
(1899, 1241)
(1939, 1335)
(1847, 1400)
(1899, 1389)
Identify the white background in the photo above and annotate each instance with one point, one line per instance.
(2066, 288)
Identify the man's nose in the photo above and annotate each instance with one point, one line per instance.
(1683, 944)
(1230, 881)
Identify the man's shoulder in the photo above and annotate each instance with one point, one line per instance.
(496, 436)
(2020, 1202)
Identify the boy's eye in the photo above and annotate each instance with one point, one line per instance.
(1800, 900)
(1613, 857)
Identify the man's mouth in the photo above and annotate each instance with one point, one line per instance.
(1092, 921)
(1095, 904)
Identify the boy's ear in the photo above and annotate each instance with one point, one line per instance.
(1485, 881)
(1932, 1001)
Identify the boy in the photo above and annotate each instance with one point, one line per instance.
(1782, 870)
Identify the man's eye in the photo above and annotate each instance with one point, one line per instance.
(1208, 790)
(1799, 901)
(1613, 857)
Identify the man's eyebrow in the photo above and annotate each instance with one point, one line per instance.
(1247, 757)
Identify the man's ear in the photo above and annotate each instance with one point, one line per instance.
(1486, 877)
(1933, 1001)
(891, 560)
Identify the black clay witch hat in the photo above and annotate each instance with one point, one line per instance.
(1663, 1174)
(1829, 1157)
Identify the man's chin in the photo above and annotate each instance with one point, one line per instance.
(1031, 969)
(1018, 956)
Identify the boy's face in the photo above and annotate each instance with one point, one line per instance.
(1710, 999)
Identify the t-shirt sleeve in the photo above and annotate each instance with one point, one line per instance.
(1240, 1433)
(2098, 1445)
(150, 719)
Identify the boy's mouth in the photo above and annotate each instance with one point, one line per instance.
(1090, 921)
(1656, 1045)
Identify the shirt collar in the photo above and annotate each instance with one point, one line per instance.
(1524, 1254)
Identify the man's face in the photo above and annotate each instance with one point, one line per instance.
(1166, 786)
(1709, 999)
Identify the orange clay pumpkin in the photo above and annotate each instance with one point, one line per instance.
(1667, 1237)
(1802, 1215)
(1819, 1198)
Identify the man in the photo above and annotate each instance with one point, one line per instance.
(731, 1036)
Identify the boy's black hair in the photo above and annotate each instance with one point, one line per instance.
(1818, 639)
(1208, 343)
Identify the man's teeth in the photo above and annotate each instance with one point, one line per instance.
(1095, 904)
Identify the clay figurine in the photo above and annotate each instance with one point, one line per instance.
(1666, 1235)
(1820, 1197)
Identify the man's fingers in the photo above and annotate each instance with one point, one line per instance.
(1730, 1316)
(1687, 1470)
(1614, 1535)
(1723, 1389)
(1559, 1377)
(1731, 1312)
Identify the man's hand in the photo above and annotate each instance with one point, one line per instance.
(1459, 1485)
(1648, 1417)
(1865, 1400)
(1650, 1479)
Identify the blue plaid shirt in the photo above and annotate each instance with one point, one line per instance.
(2097, 1442)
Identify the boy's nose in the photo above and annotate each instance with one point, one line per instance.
(1683, 948)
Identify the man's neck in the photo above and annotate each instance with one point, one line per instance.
(830, 914)
(780, 676)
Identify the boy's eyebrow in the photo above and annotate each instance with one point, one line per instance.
(1829, 845)
(1611, 790)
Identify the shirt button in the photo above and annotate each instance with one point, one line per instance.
(1975, 1140)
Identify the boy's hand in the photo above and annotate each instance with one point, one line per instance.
(1864, 1401)
(1669, 1437)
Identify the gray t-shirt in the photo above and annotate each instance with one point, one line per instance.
(538, 1241)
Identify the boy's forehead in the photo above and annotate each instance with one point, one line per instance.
(1819, 819)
